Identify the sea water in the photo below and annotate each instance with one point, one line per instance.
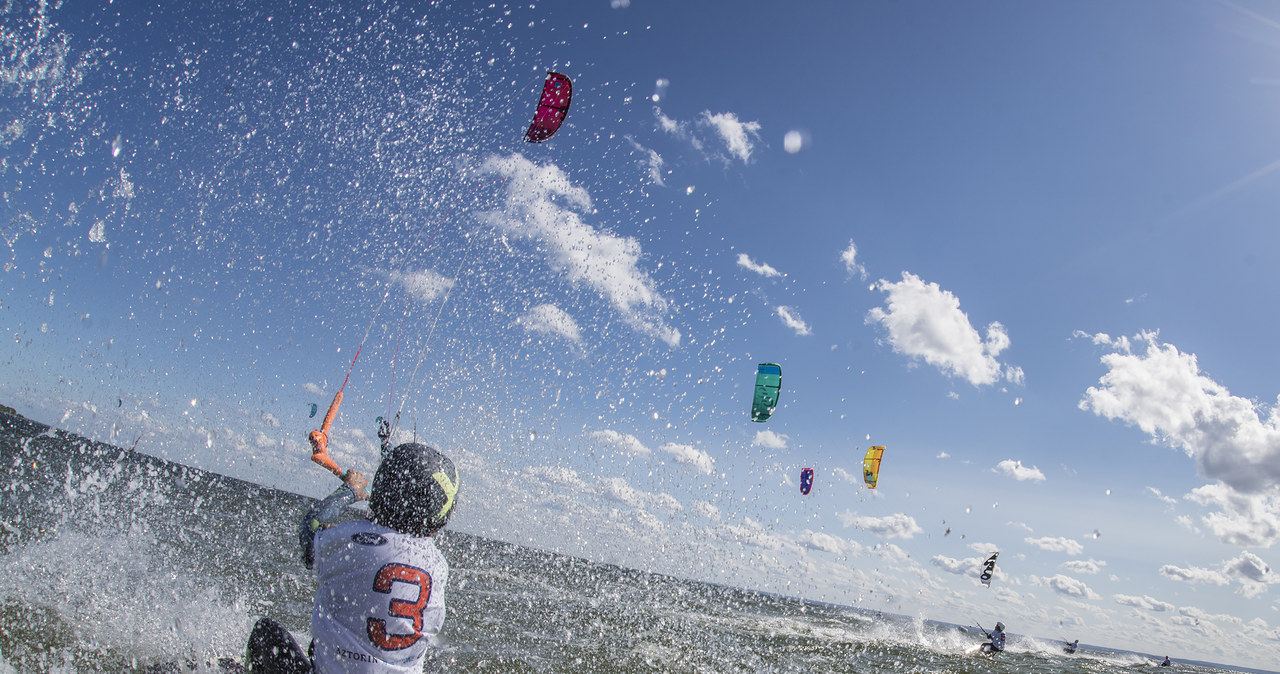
(116, 561)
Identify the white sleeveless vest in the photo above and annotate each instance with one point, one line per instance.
(380, 600)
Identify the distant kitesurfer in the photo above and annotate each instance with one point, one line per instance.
(381, 580)
(1071, 646)
(1166, 662)
(996, 636)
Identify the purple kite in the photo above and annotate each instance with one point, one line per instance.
(552, 108)
(806, 481)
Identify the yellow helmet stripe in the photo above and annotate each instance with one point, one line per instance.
(450, 491)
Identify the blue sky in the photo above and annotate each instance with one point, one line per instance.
(1029, 248)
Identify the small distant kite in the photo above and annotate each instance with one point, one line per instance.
(871, 466)
(806, 480)
(553, 107)
(768, 387)
(314, 407)
(989, 569)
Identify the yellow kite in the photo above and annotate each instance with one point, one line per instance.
(871, 466)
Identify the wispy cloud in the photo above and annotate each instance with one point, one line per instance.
(677, 129)
(737, 137)
(617, 489)
(760, 268)
(849, 256)
(1144, 602)
(423, 286)
(845, 475)
(791, 318)
(897, 525)
(1251, 14)
(706, 509)
(652, 161)
(1229, 188)
(551, 320)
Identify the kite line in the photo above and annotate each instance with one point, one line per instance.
(319, 438)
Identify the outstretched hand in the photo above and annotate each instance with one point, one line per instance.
(358, 483)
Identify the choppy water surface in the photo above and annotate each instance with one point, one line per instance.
(114, 560)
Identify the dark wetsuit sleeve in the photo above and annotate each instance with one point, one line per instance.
(322, 515)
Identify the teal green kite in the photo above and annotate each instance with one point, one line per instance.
(768, 386)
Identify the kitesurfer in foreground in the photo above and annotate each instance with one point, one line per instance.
(1071, 647)
(996, 644)
(381, 580)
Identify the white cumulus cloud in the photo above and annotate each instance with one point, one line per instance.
(924, 321)
(1064, 545)
(1243, 519)
(816, 540)
(1194, 575)
(1092, 566)
(1067, 586)
(541, 203)
(770, 440)
(629, 444)
(1253, 574)
(1019, 472)
(690, 456)
(972, 566)
(1233, 440)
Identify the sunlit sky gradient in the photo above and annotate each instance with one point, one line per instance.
(1031, 248)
